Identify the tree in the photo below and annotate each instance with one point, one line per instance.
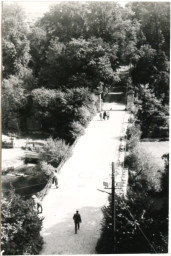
(60, 110)
(13, 101)
(38, 46)
(155, 20)
(165, 177)
(15, 43)
(21, 226)
(152, 114)
(92, 59)
(137, 219)
(54, 151)
(64, 20)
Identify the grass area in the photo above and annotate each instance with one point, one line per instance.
(157, 150)
(153, 155)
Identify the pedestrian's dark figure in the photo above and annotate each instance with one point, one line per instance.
(77, 221)
(55, 179)
(104, 115)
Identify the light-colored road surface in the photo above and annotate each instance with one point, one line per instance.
(80, 177)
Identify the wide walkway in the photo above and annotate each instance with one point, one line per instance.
(80, 178)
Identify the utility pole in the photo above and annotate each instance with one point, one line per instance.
(113, 208)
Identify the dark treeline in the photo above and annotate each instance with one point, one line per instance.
(76, 47)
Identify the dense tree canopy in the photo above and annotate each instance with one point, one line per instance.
(15, 42)
(52, 70)
(21, 225)
(155, 23)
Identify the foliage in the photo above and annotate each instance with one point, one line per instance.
(70, 107)
(38, 47)
(133, 136)
(76, 130)
(142, 216)
(152, 114)
(46, 168)
(54, 151)
(15, 43)
(165, 176)
(137, 218)
(81, 45)
(143, 170)
(155, 20)
(21, 226)
(92, 58)
(152, 68)
(13, 101)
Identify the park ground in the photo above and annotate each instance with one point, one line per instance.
(79, 180)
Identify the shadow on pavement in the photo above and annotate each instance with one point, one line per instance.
(61, 238)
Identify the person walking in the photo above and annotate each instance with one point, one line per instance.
(101, 115)
(77, 221)
(104, 115)
(55, 179)
(38, 204)
(107, 115)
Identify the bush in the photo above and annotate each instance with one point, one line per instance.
(133, 213)
(76, 129)
(83, 115)
(133, 136)
(21, 226)
(53, 152)
(47, 169)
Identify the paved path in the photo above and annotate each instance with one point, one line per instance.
(80, 177)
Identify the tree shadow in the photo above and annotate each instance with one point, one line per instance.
(61, 237)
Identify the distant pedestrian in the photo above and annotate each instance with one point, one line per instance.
(104, 115)
(101, 116)
(55, 179)
(107, 115)
(38, 204)
(77, 221)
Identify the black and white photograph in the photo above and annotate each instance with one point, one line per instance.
(85, 100)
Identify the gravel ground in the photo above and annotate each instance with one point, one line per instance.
(79, 180)
(13, 156)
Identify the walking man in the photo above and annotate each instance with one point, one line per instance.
(55, 179)
(77, 221)
(38, 204)
(107, 115)
(101, 115)
(104, 115)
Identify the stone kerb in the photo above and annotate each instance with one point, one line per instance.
(121, 172)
